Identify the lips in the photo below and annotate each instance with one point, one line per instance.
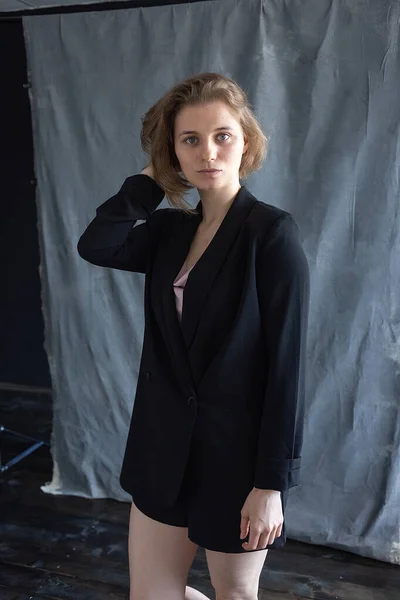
(209, 171)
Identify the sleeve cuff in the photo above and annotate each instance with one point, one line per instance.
(277, 474)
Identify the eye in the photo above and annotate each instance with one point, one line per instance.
(227, 136)
(186, 140)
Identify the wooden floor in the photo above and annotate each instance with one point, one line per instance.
(60, 547)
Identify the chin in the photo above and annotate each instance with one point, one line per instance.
(210, 187)
(210, 184)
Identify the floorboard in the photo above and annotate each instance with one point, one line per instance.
(70, 548)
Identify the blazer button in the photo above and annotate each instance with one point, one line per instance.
(148, 376)
(190, 401)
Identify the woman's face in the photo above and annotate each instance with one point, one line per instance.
(209, 136)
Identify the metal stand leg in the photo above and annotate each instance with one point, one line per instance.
(37, 444)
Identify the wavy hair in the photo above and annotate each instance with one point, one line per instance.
(157, 134)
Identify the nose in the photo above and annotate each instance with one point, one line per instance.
(208, 151)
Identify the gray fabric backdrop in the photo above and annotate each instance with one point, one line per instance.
(323, 78)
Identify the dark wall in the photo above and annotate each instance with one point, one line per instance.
(22, 356)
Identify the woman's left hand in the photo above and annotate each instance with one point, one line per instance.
(262, 516)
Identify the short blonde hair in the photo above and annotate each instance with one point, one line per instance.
(157, 135)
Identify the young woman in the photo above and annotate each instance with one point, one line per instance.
(216, 431)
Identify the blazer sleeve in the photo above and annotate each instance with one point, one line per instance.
(111, 240)
(283, 291)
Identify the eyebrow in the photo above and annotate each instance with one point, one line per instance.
(218, 129)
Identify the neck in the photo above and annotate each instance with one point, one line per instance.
(216, 203)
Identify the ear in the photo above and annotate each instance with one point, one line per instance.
(245, 145)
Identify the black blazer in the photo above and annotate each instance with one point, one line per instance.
(227, 383)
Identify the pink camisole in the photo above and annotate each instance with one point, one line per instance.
(179, 286)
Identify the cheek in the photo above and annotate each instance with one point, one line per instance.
(232, 153)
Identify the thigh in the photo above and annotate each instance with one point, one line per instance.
(160, 557)
(235, 575)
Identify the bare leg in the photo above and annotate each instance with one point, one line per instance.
(192, 594)
(236, 575)
(160, 557)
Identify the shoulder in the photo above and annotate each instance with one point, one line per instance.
(278, 247)
(276, 237)
(171, 216)
(168, 223)
(269, 214)
(267, 220)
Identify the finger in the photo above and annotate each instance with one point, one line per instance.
(271, 536)
(279, 530)
(263, 541)
(253, 538)
(244, 527)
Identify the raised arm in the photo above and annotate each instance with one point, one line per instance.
(283, 289)
(111, 240)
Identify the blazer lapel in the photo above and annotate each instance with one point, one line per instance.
(209, 264)
(179, 336)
